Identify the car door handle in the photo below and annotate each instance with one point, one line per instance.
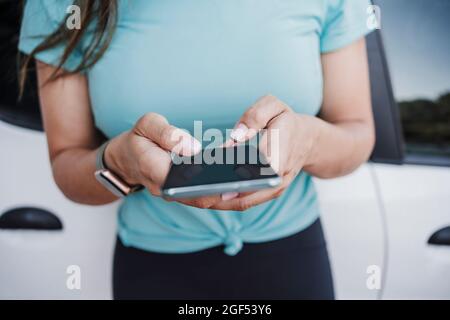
(440, 237)
(30, 219)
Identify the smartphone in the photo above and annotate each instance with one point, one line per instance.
(220, 170)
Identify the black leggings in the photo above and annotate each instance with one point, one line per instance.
(296, 267)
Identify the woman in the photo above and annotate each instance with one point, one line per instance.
(136, 72)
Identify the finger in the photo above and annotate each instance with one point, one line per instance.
(155, 127)
(257, 117)
(153, 162)
(264, 144)
(269, 148)
(155, 165)
(246, 202)
(201, 202)
(153, 188)
(229, 196)
(229, 143)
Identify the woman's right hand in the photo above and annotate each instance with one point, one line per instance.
(141, 156)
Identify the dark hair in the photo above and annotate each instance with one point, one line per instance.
(102, 15)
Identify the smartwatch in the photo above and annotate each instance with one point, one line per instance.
(109, 180)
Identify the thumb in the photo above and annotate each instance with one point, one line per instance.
(257, 117)
(156, 128)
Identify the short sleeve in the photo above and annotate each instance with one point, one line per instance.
(345, 22)
(40, 19)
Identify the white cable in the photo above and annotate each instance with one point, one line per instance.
(385, 231)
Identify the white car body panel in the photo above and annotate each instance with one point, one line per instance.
(353, 227)
(416, 201)
(33, 264)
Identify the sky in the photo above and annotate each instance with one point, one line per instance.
(416, 36)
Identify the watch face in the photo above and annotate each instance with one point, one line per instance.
(112, 183)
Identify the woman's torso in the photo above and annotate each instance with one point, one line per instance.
(209, 60)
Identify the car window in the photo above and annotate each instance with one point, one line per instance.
(24, 113)
(416, 40)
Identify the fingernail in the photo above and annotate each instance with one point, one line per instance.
(229, 195)
(192, 145)
(239, 133)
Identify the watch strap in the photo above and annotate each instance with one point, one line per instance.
(100, 162)
(109, 179)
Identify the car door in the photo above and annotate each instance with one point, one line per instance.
(409, 176)
(352, 208)
(44, 238)
(416, 195)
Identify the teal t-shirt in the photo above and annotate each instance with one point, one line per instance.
(207, 60)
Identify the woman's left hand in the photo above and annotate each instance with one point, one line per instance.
(294, 135)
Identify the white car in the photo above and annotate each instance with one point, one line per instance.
(387, 224)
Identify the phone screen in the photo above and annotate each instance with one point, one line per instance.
(220, 165)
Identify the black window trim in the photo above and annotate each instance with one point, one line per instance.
(389, 146)
(427, 160)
